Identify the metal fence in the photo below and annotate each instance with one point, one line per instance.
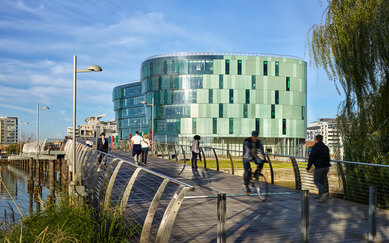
(148, 201)
(346, 179)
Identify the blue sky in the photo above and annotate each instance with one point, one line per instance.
(39, 38)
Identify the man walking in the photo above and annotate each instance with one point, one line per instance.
(320, 157)
(136, 147)
(102, 145)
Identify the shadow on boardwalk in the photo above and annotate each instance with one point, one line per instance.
(248, 220)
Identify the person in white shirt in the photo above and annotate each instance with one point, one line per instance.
(145, 148)
(136, 146)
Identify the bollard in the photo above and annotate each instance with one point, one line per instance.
(221, 217)
(372, 213)
(305, 216)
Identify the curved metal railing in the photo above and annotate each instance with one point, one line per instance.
(148, 201)
(349, 180)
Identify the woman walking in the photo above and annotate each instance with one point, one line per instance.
(145, 148)
(195, 150)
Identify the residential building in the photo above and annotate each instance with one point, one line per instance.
(326, 127)
(9, 130)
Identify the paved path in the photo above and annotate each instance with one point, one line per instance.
(249, 220)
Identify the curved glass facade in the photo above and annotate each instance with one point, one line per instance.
(223, 97)
(129, 111)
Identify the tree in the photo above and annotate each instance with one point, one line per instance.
(352, 45)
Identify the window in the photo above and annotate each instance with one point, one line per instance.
(231, 126)
(273, 111)
(239, 67)
(214, 126)
(277, 69)
(220, 81)
(253, 82)
(245, 110)
(231, 96)
(277, 97)
(227, 66)
(194, 125)
(264, 68)
(220, 110)
(247, 96)
(210, 96)
(283, 126)
(164, 67)
(302, 113)
(287, 84)
(257, 125)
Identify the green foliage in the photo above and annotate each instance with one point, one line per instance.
(352, 45)
(69, 221)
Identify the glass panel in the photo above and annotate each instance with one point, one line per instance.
(231, 96)
(210, 96)
(220, 110)
(227, 67)
(253, 82)
(273, 111)
(257, 125)
(231, 126)
(277, 97)
(214, 125)
(287, 84)
(239, 67)
(264, 68)
(284, 126)
(245, 110)
(220, 81)
(247, 96)
(194, 125)
(302, 113)
(277, 69)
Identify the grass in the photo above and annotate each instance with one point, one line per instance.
(69, 221)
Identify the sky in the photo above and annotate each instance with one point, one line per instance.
(39, 38)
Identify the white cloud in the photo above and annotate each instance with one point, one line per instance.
(20, 108)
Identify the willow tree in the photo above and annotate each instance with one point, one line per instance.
(352, 45)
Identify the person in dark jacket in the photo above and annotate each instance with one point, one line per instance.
(251, 146)
(102, 145)
(320, 157)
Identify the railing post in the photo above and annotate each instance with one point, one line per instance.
(232, 162)
(305, 216)
(205, 160)
(221, 217)
(183, 153)
(297, 176)
(271, 168)
(372, 213)
(175, 152)
(217, 160)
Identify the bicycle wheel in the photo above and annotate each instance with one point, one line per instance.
(261, 187)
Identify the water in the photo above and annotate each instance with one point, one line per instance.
(15, 181)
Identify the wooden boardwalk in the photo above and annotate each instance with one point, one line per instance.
(248, 220)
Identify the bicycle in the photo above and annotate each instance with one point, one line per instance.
(259, 184)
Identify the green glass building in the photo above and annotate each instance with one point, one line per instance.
(223, 97)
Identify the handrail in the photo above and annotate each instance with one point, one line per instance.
(113, 182)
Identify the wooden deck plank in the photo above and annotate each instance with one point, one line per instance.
(249, 220)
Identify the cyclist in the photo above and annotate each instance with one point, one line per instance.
(251, 146)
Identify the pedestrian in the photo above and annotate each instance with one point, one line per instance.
(145, 144)
(102, 146)
(135, 146)
(195, 150)
(320, 157)
(88, 143)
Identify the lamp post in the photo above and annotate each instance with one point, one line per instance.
(20, 135)
(152, 121)
(93, 68)
(37, 126)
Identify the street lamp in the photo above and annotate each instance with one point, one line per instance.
(93, 68)
(37, 126)
(20, 135)
(152, 121)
